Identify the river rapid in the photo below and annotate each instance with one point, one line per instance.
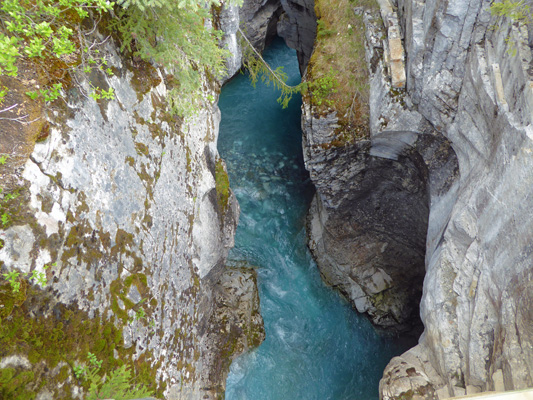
(316, 346)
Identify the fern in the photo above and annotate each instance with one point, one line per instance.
(117, 386)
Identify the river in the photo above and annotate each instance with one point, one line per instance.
(316, 346)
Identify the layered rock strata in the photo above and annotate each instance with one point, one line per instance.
(469, 75)
(369, 218)
(119, 209)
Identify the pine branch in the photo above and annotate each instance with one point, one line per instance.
(257, 65)
(273, 73)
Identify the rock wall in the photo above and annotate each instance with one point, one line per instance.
(261, 20)
(455, 145)
(368, 221)
(118, 207)
(469, 74)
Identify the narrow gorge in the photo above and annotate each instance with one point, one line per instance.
(118, 214)
(315, 345)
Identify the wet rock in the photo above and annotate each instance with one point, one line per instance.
(235, 324)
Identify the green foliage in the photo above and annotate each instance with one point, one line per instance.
(516, 10)
(98, 93)
(322, 30)
(49, 94)
(321, 88)
(8, 55)
(38, 277)
(3, 160)
(6, 201)
(140, 314)
(3, 93)
(67, 335)
(44, 30)
(174, 34)
(117, 384)
(13, 279)
(258, 68)
(39, 28)
(171, 33)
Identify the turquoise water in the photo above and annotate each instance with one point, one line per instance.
(316, 346)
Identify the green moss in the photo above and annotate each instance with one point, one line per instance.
(130, 161)
(63, 374)
(188, 158)
(44, 133)
(81, 243)
(142, 149)
(145, 77)
(13, 384)
(119, 291)
(222, 186)
(65, 335)
(11, 207)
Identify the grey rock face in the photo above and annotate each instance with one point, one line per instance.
(369, 219)
(476, 301)
(229, 23)
(119, 192)
(297, 26)
(235, 324)
(259, 17)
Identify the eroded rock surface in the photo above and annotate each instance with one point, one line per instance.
(465, 78)
(369, 219)
(118, 208)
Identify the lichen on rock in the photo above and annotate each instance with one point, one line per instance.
(116, 210)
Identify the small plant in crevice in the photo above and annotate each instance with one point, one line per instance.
(518, 12)
(117, 384)
(99, 93)
(140, 313)
(6, 201)
(13, 278)
(38, 278)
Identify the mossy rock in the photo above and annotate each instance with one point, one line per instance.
(49, 334)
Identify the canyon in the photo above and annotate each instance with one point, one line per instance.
(423, 223)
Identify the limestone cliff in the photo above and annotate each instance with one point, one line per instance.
(116, 202)
(368, 221)
(438, 190)
(469, 74)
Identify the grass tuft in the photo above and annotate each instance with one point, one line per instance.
(340, 48)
